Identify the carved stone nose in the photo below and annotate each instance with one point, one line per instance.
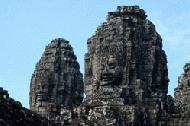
(105, 69)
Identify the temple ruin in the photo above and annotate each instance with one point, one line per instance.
(125, 80)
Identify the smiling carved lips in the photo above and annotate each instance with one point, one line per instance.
(106, 78)
(40, 96)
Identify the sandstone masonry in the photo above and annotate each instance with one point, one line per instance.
(125, 81)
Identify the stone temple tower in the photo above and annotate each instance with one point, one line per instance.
(56, 82)
(126, 69)
(125, 81)
(182, 92)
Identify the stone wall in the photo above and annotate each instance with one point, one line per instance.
(13, 114)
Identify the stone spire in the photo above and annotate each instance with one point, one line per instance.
(56, 81)
(182, 92)
(126, 51)
(13, 114)
(125, 63)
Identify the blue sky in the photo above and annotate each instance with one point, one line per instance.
(26, 27)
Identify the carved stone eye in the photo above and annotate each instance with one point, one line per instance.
(102, 66)
(43, 86)
(111, 65)
(188, 83)
(38, 87)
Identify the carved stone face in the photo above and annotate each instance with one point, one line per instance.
(111, 73)
(41, 93)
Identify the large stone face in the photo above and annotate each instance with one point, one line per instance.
(56, 81)
(125, 65)
(125, 50)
